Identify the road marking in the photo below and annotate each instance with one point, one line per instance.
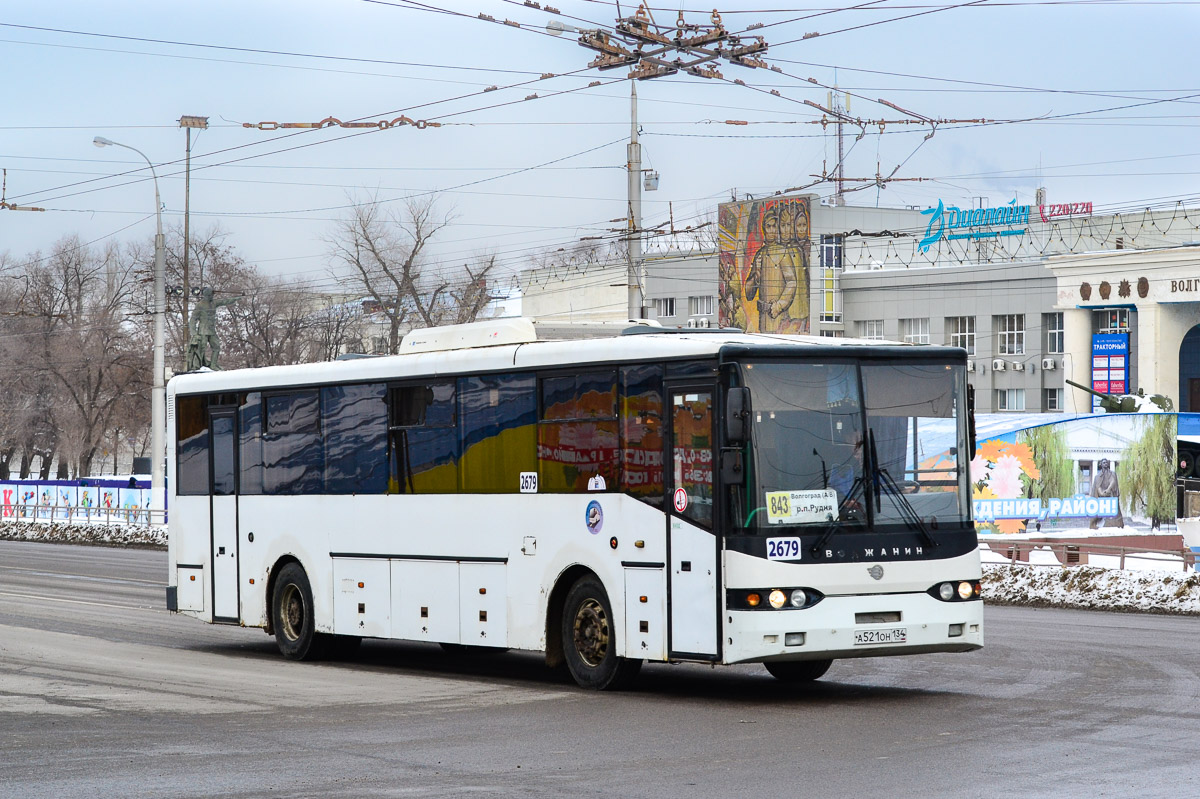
(42, 573)
(82, 602)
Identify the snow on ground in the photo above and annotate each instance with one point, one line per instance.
(1093, 588)
(1149, 583)
(116, 535)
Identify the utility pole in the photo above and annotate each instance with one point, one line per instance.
(835, 102)
(635, 209)
(188, 123)
(645, 47)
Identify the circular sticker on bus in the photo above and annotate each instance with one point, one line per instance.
(681, 500)
(594, 517)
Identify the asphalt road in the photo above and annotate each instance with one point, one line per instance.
(105, 694)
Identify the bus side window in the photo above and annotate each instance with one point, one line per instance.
(642, 433)
(497, 431)
(354, 421)
(191, 449)
(293, 455)
(424, 439)
(577, 435)
(250, 455)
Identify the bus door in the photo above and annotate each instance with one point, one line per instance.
(692, 573)
(223, 513)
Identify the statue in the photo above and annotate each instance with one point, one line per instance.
(1105, 485)
(203, 332)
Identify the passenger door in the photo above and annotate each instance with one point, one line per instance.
(223, 517)
(692, 574)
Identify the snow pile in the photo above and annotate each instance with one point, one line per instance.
(116, 535)
(1093, 588)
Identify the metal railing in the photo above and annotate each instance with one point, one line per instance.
(1075, 554)
(80, 514)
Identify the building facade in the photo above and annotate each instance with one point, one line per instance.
(1036, 294)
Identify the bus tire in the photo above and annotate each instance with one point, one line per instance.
(798, 671)
(589, 640)
(292, 615)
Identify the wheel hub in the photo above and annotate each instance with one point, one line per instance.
(591, 632)
(293, 612)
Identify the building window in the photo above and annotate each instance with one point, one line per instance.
(1010, 334)
(1010, 399)
(961, 332)
(1054, 333)
(831, 252)
(832, 334)
(1111, 320)
(664, 307)
(871, 329)
(700, 306)
(915, 331)
(1052, 399)
(831, 273)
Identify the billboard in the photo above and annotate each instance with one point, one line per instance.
(764, 254)
(1092, 472)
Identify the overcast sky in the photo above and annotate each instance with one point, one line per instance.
(1112, 88)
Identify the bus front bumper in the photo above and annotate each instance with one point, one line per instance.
(854, 626)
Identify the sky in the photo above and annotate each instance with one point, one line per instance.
(1096, 100)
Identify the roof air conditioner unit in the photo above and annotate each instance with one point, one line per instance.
(1048, 364)
(998, 365)
(1018, 366)
(970, 366)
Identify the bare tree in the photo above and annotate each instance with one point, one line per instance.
(387, 256)
(334, 329)
(266, 327)
(86, 346)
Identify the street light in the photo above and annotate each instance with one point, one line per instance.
(158, 394)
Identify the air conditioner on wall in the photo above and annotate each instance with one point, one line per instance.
(705, 322)
(1048, 364)
(970, 366)
(691, 323)
(998, 365)
(1018, 366)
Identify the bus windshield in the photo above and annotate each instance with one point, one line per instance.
(866, 446)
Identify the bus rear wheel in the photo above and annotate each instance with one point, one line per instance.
(798, 671)
(589, 641)
(292, 616)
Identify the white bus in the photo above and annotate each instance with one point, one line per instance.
(704, 496)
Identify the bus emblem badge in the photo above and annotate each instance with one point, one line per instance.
(876, 572)
(594, 517)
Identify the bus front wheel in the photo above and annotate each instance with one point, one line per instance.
(798, 671)
(589, 641)
(292, 616)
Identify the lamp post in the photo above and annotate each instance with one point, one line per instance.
(158, 394)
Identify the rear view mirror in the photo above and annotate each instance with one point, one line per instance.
(737, 415)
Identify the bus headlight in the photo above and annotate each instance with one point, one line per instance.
(777, 598)
(799, 598)
(753, 599)
(956, 591)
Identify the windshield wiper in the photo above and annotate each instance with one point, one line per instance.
(859, 484)
(884, 478)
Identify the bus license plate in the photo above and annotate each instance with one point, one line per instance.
(894, 635)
